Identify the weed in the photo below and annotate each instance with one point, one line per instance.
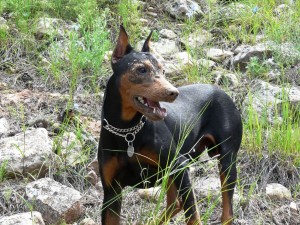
(3, 170)
(256, 69)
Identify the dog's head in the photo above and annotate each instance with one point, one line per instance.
(141, 80)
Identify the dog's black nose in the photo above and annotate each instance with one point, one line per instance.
(173, 93)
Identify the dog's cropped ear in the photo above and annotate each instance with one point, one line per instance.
(123, 47)
(146, 46)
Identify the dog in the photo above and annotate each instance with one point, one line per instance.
(149, 125)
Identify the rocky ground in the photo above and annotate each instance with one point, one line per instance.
(48, 143)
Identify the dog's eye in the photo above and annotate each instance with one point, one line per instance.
(142, 70)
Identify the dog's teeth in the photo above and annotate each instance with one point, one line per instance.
(154, 110)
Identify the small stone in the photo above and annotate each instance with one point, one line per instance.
(206, 63)
(218, 55)
(56, 202)
(153, 14)
(169, 34)
(196, 39)
(27, 218)
(3, 25)
(225, 79)
(183, 9)
(278, 191)
(4, 126)
(88, 221)
(150, 194)
(294, 208)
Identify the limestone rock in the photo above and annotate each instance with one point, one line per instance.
(183, 9)
(206, 63)
(225, 78)
(196, 39)
(4, 126)
(3, 24)
(150, 194)
(55, 201)
(69, 148)
(28, 152)
(218, 55)
(53, 27)
(246, 52)
(266, 99)
(206, 186)
(169, 34)
(278, 191)
(27, 218)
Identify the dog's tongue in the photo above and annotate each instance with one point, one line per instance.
(161, 112)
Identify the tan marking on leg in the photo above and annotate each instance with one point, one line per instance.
(109, 170)
(148, 157)
(112, 218)
(227, 213)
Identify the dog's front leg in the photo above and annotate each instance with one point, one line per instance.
(111, 208)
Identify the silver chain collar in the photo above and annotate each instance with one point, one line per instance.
(129, 133)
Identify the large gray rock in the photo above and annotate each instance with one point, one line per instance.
(27, 218)
(183, 9)
(28, 152)
(266, 100)
(57, 203)
(245, 53)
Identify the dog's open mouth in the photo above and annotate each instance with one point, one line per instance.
(150, 108)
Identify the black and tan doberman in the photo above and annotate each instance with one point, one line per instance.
(149, 125)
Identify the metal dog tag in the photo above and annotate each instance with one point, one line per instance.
(130, 149)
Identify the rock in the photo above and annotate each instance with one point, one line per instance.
(182, 59)
(53, 27)
(278, 191)
(27, 218)
(266, 100)
(169, 34)
(3, 25)
(4, 126)
(88, 221)
(174, 69)
(28, 152)
(206, 186)
(225, 79)
(150, 194)
(283, 9)
(69, 148)
(183, 9)
(163, 48)
(294, 208)
(57, 203)
(246, 52)
(218, 55)
(230, 12)
(206, 63)
(196, 39)
(289, 52)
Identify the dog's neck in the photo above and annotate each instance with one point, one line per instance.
(112, 106)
